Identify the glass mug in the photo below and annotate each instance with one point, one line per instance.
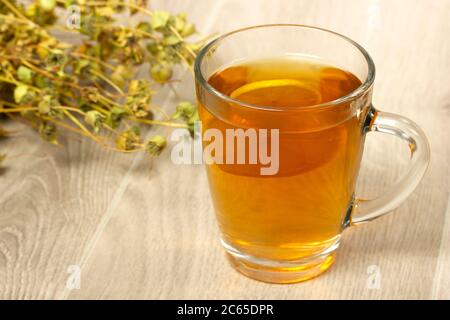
(286, 227)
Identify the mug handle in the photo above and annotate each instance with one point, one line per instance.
(407, 130)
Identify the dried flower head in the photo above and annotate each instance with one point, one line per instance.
(48, 132)
(95, 119)
(129, 139)
(156, 145)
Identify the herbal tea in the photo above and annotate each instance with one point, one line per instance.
(301, 209)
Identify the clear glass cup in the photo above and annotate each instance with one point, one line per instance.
(274, 233)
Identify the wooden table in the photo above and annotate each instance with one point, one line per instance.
(151, 234)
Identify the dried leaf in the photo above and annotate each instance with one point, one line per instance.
(159, 19)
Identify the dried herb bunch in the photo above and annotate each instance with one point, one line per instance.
(91, 87)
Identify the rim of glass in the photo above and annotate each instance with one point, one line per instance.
(361, 89)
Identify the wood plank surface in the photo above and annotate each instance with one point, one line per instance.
(141, 234)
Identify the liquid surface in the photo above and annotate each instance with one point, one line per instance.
(284, 83)
(299, 211)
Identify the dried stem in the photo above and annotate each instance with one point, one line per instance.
(16, 11)
(108, 81)
(161, 123)
(87, 57)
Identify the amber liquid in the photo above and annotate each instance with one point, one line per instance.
(300, 211)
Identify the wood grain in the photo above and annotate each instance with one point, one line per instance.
(154, 235)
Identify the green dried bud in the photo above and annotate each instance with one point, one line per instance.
(145, 26)
(25, 74)
(163, 55)
(139, 98)
(42, 82)
(156, 145)
(185, 110)
(95, 119)
(159, 19)
(48, 132)
(115, 116)
(46, 104)
(161, 72)
(20, 92)
(136, 130)
(55, 58)
(91, 23)
(154, 47)
(128, 140)
(47, 5)
(191, 123)
(90, 94)
(137, 107)
(23, 94)
(30, 10)
(44, 108)
(189, 113)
